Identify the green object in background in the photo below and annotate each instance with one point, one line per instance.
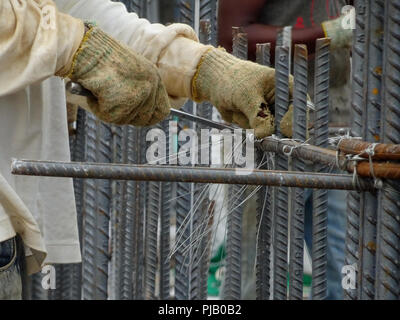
(215, 272)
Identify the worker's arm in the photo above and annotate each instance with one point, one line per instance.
(240, 90)
(174, 48)
(36, 41)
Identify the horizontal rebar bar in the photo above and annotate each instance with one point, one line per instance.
(388, 170)
(187, 174)
(381, 151)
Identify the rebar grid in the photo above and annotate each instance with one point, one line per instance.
(140, 220)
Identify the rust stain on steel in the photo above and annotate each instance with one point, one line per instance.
(371, 245)
(328, 157)
(382, 151)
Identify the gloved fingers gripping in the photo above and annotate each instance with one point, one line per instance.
(241, 120)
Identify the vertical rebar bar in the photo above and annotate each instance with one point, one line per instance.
(233, 281)
(204, 110)
(185, 277)
(354, 198)
(263, 54)
(96, 213)
(208, 12)
(280, 237)
(371, 132)
(388, 246)
(165, 227)
(264, 207)
(297, 203)
(320, 197)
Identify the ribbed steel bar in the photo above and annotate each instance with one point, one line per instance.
(154, 211)
(280, 237)
(371, 132)
(39, 293)
(96, 214)
(185, 278)
(204, 110)
(264, 207)
(263, 54)
(154, 196)
(165, 227)
(327, 157)
(382, 151)
(78, 155)
(297, 194)
(117, 189)
(126, 222)
(234, 237)
(353, 198)
(139, 207)
(69, 276)
(264, 233)
(320, 197)
(388, 246)
(187, 174)
(208, 11)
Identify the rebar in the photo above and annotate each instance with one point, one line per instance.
(264, 198)
(280, 240)
(186, 285)
(388, 242)
(297, 194)
(263, 54)
(329, 158)
(96, 214)
(371, 132)
(208, 12)
(165, 227)
(353, 199)
(188, 174)
(381, 151)
(233, 281)
(320, 197)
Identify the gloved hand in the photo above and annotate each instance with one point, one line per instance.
(340, 34)
(241, 90)
(127, 87)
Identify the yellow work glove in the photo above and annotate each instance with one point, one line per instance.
(241, 90)
(127, 87)
(340, 33)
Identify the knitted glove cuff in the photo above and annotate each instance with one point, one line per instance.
(96, 47)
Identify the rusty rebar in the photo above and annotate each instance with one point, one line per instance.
(381, 151)
(327, 157)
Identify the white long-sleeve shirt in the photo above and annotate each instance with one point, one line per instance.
(33, 121)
